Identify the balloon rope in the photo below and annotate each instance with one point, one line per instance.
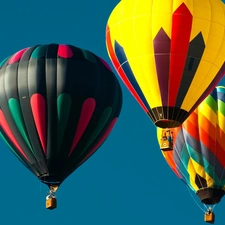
(193, 196)
(190, 178)
(214, 206)
(197, 202)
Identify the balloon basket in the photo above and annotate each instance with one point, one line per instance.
(166, 145)
(209, 217)
(51, 203)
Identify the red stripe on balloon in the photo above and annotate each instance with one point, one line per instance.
(220, 153)
(120, 71)
(213, 145)
(190, 126)
(8, 132)
(169, 159)
(199, 133)
(17, 56)
(100, 141)
(38, 107)
(105, 63)
(65, 51)
(181, 31)
(85, 117)
(211, 142)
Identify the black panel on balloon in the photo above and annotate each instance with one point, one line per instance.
(200, 181)
(168, 117)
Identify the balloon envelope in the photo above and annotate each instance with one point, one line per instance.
(169, 53)
(58, 104)
(198, 156)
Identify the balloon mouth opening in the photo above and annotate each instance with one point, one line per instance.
(49, 179)
(167, 123)
(210, 196)
(168, 116)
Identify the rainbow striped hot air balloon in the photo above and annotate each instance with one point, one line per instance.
(198, 155)
(170, 54)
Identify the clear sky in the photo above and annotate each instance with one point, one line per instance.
(127, 181)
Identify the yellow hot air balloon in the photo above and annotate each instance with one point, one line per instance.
(169, 53)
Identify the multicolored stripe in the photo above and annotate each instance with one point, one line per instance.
(198, 157)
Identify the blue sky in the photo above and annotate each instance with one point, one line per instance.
(127, 181)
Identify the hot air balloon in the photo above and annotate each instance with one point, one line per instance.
(170, 54)
(58, 104)
(198, 155)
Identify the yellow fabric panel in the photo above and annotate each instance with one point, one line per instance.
(161, 17)
(221, 121)
(210, 54)
(211, 116)
(203, 70)
(192, 174)
(206, 111)
(192, 168)
(138, 45)
(198, 23)
(197, 91)
(201, 19)
(220, 57)
(189, 98)
(213, 70)
(219, 8)
(200, 78)
(192, 101)
(137, 8)
(143, 66)
(159, 134)
(214, 54)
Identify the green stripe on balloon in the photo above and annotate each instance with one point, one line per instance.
(16, 113)
(221, 107)
(184, 155)
(89, 56)
(39, 52)
(200, 160)
(210, 101)
(183, 161)
(2, 62)
(7, 143)
(64, 103)
(220, 184)
(99, 127)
